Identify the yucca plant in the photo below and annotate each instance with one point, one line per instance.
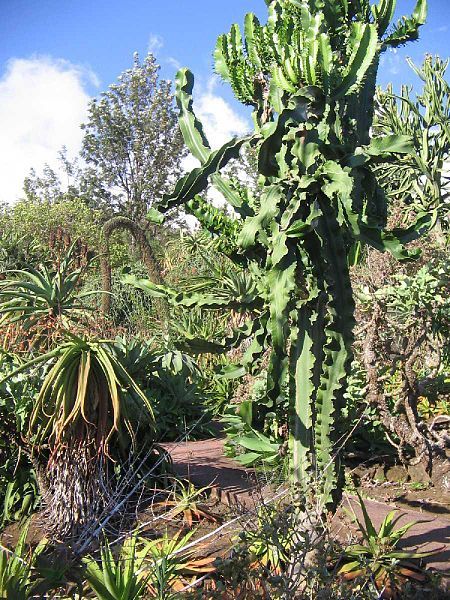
(86, 398)
(310, 75)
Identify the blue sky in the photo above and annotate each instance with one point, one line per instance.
(92, 41)
(103, 34)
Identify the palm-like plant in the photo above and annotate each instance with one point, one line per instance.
(43, 300)
(86, 398)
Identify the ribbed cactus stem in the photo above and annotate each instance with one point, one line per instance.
(310, 75)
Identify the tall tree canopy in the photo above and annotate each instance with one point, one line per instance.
(132, 138)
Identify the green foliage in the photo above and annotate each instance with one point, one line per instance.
(423, 293)
(41, 300)
(255, 432)
(40, 220)
(17, 251)
(417, 308)
(172, 383)
(19, 494)
(429, 409)
(132, 140)
(18, 574)
(418, 182)
(377, 557)
(309, 73)
(169, 566)
(88, 412)
(131, 309)
(368, 435)
(85, 387)
(116, 579)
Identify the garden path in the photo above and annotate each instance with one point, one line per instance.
(205, 464)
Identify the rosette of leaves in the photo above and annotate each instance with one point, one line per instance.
(377, 557)
(42, 301)
(310, 75)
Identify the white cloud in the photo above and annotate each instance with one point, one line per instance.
(155, 43)
(220, 121)
(43, 101)
(173, 62)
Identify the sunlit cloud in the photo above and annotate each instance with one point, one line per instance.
(43, 101)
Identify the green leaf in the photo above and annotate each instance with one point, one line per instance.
(257, 444)
(270, 199)
(191, 128)
(154, 216)
(390, 144)
(196, 181)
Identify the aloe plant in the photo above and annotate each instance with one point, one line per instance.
(310, 75)
(377, 557)
(87, 412)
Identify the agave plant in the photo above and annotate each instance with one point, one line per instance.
(310, 75)
(44, 300)
(86, 398)
(169, 567)
(187, 500)
(377, 557)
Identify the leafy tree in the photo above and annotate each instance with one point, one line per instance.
(132, 139)
(73, 181)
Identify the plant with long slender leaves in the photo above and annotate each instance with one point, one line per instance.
(377, 557)
(117, 579)
(44, 300)
(169, 567)
(310, 75)
(86, 398)
(19, 575)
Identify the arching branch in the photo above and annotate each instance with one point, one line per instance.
(148, 258)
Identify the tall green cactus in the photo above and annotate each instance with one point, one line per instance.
(310, 75)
